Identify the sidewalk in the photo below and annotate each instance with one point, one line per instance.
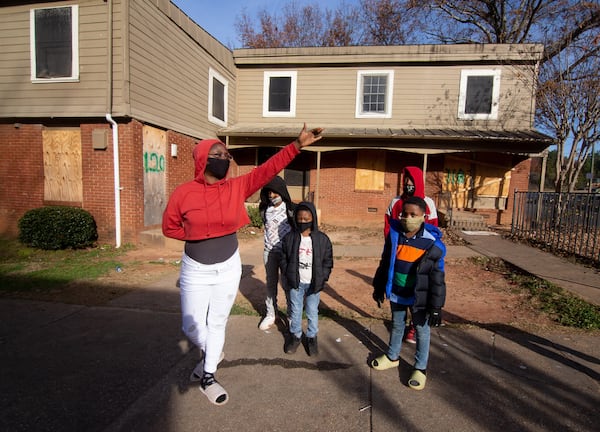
(578, 279)
(125, 367)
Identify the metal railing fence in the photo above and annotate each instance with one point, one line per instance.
(563, 222)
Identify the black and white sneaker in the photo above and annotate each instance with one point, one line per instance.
(292, 344)
(214, 391)
(312, 346)
(196, 374)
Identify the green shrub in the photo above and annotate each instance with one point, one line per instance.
(58, 227)
(255, 218)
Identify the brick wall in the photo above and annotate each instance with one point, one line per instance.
(180, 169)
(22, 176)
(21, 173)
(519, 180)
(22, 179)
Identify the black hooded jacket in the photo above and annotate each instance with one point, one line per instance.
(322, 253)
(278, 186)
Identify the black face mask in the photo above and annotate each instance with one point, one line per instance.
(218, 167)
(409, 190)
(303, 226)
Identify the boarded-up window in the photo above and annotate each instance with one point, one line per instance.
(370, 171)
(476, 183)
(155, 179)
(62, 165)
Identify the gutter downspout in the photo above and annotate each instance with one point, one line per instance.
(318, 185)
(115, 138)
(115, 127)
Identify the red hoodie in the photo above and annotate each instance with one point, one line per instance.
(395, 207)
(197, 210)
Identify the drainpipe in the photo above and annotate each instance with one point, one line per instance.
(115, 138)
(115, 127)
(318, 185)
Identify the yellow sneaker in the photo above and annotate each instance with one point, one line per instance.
(383, 362)
(417, 380)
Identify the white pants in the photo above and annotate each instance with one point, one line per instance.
(207, 295)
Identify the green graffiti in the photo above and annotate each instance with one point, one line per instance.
(153, 162)
(454, 177)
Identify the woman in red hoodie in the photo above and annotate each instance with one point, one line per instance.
(206, 213)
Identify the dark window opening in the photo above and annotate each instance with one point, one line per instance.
(294, 177)
(53, 43)
(218, 100)
(479, 95)
(280, 94)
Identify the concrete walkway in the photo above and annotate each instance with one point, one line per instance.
(125, 367)
(578, 279)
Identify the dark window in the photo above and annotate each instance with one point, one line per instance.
(279, 94)
(479, 95)
(53, 43)
(296, 177)
(265, 153)
(218, 100)
(374, 88)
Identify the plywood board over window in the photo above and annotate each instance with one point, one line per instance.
(62, 165)
(370, 172)
(476, 184)
(155, 180)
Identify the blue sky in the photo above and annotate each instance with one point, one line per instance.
(218, 17)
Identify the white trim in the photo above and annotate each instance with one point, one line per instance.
(462, 97)
(266, 82)
(389, 91)
(74, 47)
(213, 74)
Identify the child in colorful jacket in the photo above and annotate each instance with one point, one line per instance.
(411, 275)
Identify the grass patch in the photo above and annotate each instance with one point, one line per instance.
(241, 310)
(24, 269)
(563, 307)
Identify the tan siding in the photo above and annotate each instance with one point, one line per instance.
(424, 96)
(169, 72)
(87, 97)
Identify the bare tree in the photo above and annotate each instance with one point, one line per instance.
(570, 32)
(372, 22)
(569, 107)
(297, 26)
(385, 22)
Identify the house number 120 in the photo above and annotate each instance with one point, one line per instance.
(154, 162)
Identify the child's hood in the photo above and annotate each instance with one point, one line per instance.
(200, 154)
(306, 205)
(416, 175)
(278, 186)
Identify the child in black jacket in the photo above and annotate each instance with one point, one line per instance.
(307, 260)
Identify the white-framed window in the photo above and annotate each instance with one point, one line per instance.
(54, 44)
(279, 94)
(479, 94)
(218, 88)
(374, 90)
